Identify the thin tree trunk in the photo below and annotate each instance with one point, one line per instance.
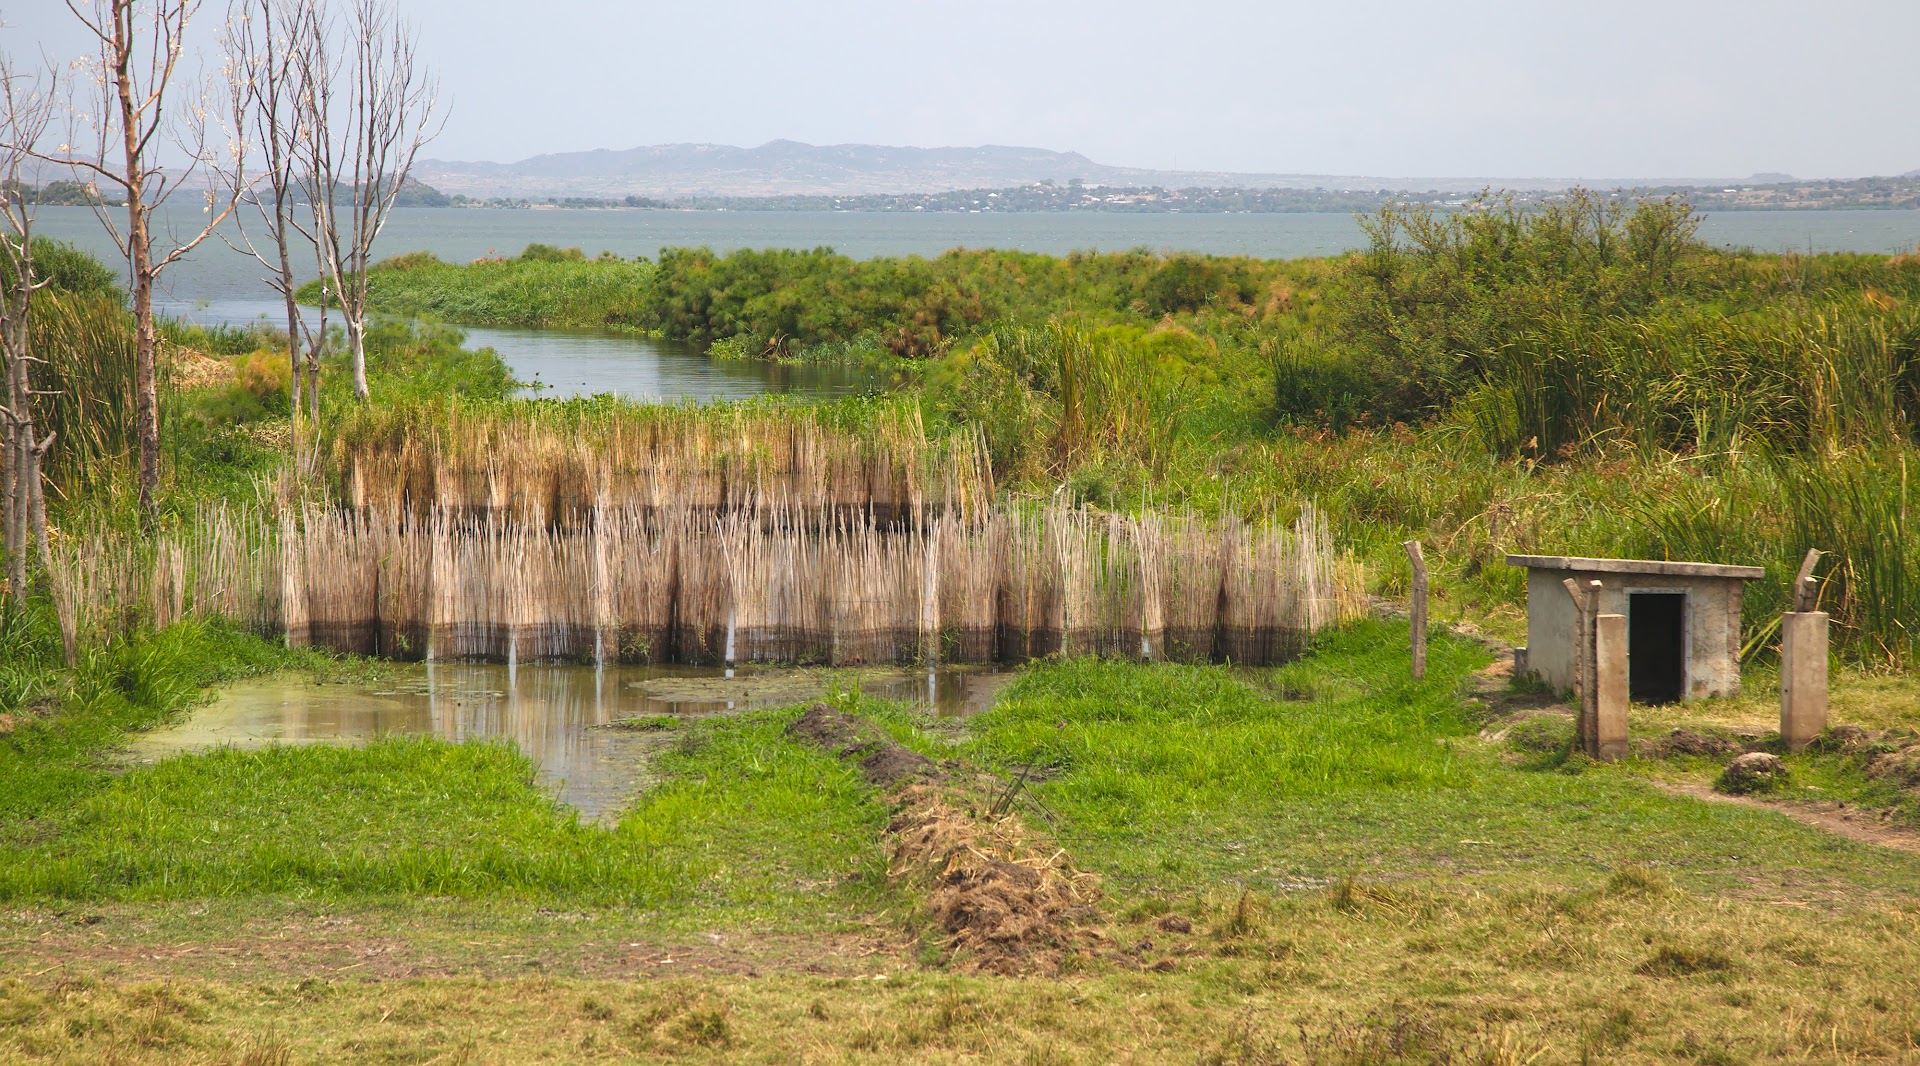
(15, 502)
(21, 469)
(316, 346)
(147, 403)
(140, 264)
(294, 411)
(357, 335)
(37, 502)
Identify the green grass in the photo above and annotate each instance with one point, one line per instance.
(1359, 878)
(69, 720)
(1173, 779)
(745, 820)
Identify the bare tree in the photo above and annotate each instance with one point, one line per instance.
(268, 94)
(361, 140)
(26, 109)
(122, 98)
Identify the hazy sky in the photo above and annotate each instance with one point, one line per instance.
(1548, 88)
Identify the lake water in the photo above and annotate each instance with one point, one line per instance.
(568, 719)
(216, 284)
(214, 272)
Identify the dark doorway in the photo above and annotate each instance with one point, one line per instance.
(1656, 646)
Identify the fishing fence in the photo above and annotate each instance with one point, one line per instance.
(648, 583)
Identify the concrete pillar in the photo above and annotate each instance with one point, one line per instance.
(1610, 687)
(1803, 677)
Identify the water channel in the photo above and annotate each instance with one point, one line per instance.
(557, 364)
(591, 731)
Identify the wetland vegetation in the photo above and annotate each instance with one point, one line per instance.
(1321, 861)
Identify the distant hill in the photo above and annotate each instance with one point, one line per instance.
(790, 168)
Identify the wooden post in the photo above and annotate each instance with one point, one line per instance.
(1418, 610)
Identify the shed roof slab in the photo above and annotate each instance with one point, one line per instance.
(1659, 567)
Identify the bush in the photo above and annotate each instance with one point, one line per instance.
(547, 253)
(69, 270)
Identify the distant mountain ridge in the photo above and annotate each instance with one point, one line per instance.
(792, 168)
(679, 172)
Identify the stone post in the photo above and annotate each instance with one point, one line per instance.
(1803, 677)
(1582, 659)
(1610, 687)
(1417, 609)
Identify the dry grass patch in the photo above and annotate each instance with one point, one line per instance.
(1627, 969)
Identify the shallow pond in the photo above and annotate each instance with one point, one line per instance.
(590, 731)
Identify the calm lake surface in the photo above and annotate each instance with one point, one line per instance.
(217, 284)
(566, 718)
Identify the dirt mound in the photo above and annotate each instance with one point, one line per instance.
(1685, 742)
(1901, 767)
(1007, 902)
(1756, 771)
(1843, 740)
(882, 760)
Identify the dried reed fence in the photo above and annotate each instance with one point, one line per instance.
(563, 464)
(643, 583)
(226, 563)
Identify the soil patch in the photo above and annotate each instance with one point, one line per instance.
(883, 761)
(1686, 742)
(1005, 901)
(128, 943)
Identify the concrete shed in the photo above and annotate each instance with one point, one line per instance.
(1683, 622)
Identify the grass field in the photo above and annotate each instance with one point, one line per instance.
(1323, 862)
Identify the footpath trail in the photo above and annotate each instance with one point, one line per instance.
(1491, 688)
(1854, 823)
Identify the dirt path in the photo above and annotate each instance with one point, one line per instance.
(130, 942)
(1851, 822)
(1489, 686)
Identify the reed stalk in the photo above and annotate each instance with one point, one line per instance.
(761, 583)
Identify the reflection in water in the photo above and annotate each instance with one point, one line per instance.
(564, 363)
(561, 363)
(566, 718)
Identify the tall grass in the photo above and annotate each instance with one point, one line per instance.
(1060, 396)
(1815, 377)
(87, 341)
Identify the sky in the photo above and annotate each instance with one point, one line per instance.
(1641, 89)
